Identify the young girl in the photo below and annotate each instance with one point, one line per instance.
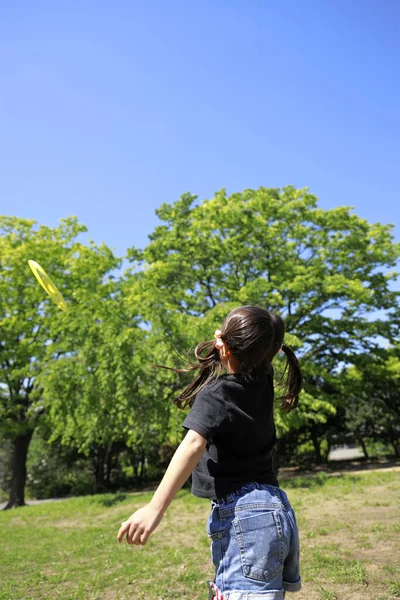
(228, 448)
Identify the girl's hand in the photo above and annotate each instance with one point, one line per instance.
(144, 521)
(140, 525)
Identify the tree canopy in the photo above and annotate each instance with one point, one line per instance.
(88, 372)
(327, 272)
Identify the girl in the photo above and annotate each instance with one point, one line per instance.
(228, 448)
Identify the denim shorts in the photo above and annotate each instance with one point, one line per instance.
(254, 545)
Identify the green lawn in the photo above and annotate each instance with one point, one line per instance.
(349, 527)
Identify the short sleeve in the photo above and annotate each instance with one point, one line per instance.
(208, 415)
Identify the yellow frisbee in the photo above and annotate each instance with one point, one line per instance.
(48, 285)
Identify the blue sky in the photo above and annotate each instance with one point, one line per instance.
(109, 109)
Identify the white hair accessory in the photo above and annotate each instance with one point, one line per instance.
(219, 343)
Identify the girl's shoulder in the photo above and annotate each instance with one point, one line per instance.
(226, 380)
(234, 382)
(221, 385)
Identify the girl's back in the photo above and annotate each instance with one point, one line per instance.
(235, 415)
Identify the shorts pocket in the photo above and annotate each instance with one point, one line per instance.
(260, 542)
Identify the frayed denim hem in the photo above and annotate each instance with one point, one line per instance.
(216, 594)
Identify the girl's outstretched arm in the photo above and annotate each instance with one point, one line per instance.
(144, 521)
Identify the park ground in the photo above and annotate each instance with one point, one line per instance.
(350, 544)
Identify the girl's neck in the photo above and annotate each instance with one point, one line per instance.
(232, 365)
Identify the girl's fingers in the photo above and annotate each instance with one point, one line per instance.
(122, 530)
(137, 528)
(131, 533)
(143, 539)
(135, 538)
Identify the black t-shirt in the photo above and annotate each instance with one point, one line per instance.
(236, 418)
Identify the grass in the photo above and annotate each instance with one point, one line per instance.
(349, 528)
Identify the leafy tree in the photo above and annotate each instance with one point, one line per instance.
(324, 271)
(91, 394)
(372, 399)
(32, 326)
(102, 397)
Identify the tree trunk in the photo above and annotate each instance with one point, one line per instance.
(18, 468)
(396, 447)
(328, 451)
(142, 465)
(98, 464)
(363, 446)
(109, 465)
(316, 444)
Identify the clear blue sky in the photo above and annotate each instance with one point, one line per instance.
(109, 109)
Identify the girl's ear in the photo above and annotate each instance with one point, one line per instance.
(225, 352)
(223, 349)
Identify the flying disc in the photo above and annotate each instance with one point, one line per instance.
(48, 285)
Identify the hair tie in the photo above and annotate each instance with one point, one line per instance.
(219, 341)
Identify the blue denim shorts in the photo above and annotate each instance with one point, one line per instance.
(254, 544)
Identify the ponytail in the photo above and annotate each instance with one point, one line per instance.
(209, 367)
(291, 381)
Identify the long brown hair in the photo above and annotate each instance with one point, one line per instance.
(254, 336)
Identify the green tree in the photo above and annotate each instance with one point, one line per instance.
(33, 328)
(325, 271)
(102, 396)
(91, 395)
(372, 399)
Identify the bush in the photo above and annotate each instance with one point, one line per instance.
(53, 471)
